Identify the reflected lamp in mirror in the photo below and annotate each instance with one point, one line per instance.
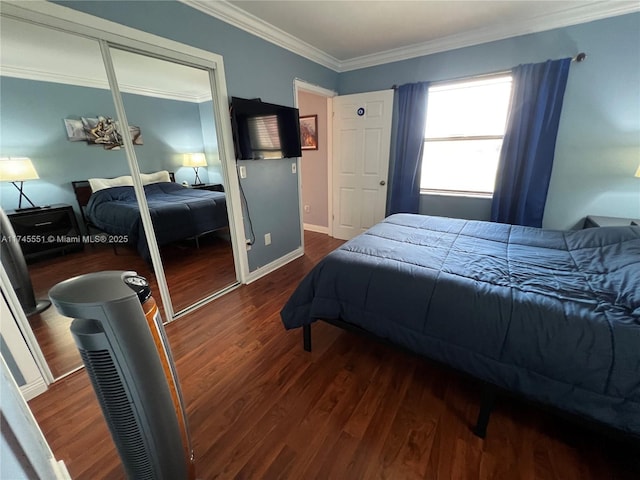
(17, 170)
(195, 160)
(638, 172)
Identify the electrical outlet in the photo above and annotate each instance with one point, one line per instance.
(294, 168)
(243, 171)
(307, 209)
(267, 239)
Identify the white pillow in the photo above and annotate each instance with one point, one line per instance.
(102, 183)
(157, 177)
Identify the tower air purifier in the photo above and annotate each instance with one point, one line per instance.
(129, 362)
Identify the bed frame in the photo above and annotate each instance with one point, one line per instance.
(489, 393)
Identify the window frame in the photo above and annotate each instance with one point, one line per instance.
(451, 83)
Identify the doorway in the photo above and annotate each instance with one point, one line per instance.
(315, 104)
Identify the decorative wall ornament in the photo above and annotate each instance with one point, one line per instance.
(309, 132)
(101, 130)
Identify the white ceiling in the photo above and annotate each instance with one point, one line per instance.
(349, 34)
(33, 52)
(342, 35)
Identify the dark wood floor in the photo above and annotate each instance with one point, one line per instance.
(192, 273)
(259, 407)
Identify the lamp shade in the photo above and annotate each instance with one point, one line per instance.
(638, 172)
(17, 169)
(194, 160)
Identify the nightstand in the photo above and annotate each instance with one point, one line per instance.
(596, 221)
(212, 187)
(46, 230)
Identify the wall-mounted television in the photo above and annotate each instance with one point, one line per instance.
(263, 130)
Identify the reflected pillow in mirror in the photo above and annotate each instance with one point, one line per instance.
(161, 176)
(102, 183)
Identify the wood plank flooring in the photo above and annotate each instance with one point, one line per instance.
(191, 273)
(260, 407)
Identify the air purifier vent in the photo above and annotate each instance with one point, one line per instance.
(117, 405)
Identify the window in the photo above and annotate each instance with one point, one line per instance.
(463, 136)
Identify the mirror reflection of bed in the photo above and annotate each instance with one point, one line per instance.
(171, 104)
(191, 228)
(192, 265)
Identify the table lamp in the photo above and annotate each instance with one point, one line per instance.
(18, 170)
(195, 160)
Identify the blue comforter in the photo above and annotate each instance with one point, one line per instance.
(177, 213)
(552, 315)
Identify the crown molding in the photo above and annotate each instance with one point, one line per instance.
(81, 81)
(581, 13)
(229, 13)
(54, 77)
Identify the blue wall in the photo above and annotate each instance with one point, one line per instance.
(598, 144)
(32, 125)
(598, 147)
(254, 68)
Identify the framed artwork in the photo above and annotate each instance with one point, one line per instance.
(75, 130)
(101, 130)
(309, 132)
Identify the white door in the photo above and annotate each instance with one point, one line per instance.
(361, 142)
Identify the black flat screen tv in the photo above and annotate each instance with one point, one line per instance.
(263, 130)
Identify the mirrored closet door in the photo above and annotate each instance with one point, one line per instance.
(56, 110)
(59, 112)
(181, 171)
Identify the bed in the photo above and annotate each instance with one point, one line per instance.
(553, 316)
(177, 212)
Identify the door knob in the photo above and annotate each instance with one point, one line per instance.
(382, 182)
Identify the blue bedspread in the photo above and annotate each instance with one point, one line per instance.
(177, 213)
(549, 314)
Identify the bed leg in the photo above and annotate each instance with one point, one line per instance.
(486, 406)
(306, 337)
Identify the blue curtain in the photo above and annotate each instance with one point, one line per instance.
(526, 158)
(411, 118)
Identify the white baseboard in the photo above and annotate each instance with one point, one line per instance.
(33, 389)
(280, 262)
(60, 469)
(316, 228)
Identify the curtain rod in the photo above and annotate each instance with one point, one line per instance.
(580, 57)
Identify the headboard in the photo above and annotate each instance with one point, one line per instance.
(83, 192)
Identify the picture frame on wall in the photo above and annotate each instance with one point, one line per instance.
(101, 130)
(75, 130)
(309, 132)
